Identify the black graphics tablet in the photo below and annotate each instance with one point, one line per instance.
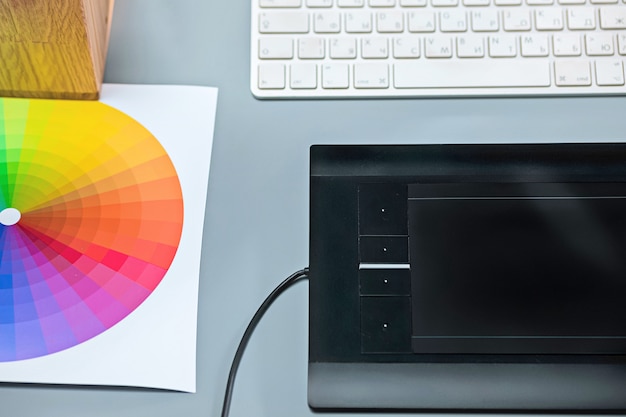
(468, 277)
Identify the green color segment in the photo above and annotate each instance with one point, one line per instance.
(3, 158)
(13, 121)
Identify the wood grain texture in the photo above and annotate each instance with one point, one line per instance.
(53, 49)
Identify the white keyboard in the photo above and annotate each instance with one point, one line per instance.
(426, 48)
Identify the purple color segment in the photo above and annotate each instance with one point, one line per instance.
(57, 334)
(29, 340)
(7, 342)
(58, 273)
(7, 319)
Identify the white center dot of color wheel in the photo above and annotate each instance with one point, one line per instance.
(10, 216)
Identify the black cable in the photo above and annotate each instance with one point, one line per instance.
(303, 273)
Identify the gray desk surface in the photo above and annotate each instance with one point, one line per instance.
(256, 229)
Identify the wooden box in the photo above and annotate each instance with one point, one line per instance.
(53, 48)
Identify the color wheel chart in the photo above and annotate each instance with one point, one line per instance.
(91, 216)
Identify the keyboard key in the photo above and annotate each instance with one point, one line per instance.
(374, 48)
(287, 22)
(452, 21)
(471, 73)
(350, 3)
(368, 75)
(444, 3)
(280, 3)
(358, 22)
(271, 76)
(599, 44)
(581, 19)
(549, 19)
(303, 76)
(470, 47)
(502, 46)
(421, 22)
(508, 2)
(613, 17)
(609, 72)
(572, 73)
(382, 3)
(390, 22)
(319, 3)
(335, 76)
(566, 45)
(327, 22)
(484, 20)
(311, 48)
(476, 2)
(516, 20)
(438, 47)
(413, 3)
(534, 45)
(539, 2)
(343, 48)
(275, 48)
(408, 47)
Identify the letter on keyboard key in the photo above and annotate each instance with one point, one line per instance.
(461, 74)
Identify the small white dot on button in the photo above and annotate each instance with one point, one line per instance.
(384, 249)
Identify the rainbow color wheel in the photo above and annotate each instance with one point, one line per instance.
(91, 215)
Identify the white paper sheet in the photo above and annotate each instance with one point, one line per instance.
(154, 346)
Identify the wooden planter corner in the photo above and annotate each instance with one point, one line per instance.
(53, 48)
